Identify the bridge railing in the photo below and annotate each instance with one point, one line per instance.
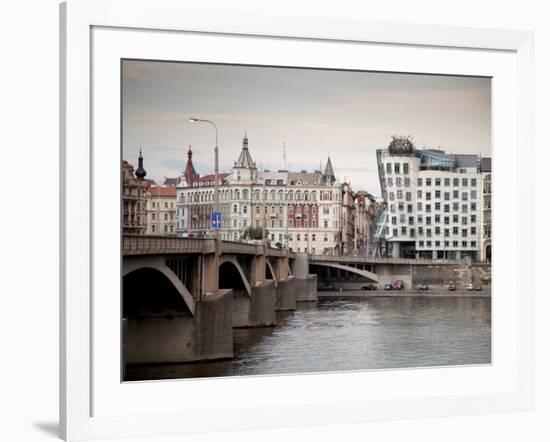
(158, 245)
(154, 245)
(368, 260)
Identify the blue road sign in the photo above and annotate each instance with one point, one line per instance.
(216, 220)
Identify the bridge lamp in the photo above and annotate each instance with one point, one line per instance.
(216, 171)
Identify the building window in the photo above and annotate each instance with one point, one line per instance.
(473, 182)
(473, 244)
(418, 206)
(473, 194)
(447, 196)
(406, 168)
(419, 194)
(428, 196)
(428, 181)
(464, 196)
(401, 206)
(437, 230)
(396, 167)
(407, 181)
(395, 232)
(404, 231)
(438, 181)
(473, 207)
(234, 208)
(455, 230)
(409, 208)
(390, 181)
(394, 220)
(473, 218)
(447, 181)
(420, 243)
(428, 208)
(437, 194)
(437, 219)
(419, 182)
(388, 167)
(392, 196)
(455, 182)
(446, 208)
(437, 206)
(407, 196)
(428, 220)
(399, 194)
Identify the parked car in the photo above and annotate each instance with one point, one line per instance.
(370, 287)
(327, 288)
(388, 287)
(399, 285)
(421, 287)
(477, 287)
(451, 287)
(469, 287)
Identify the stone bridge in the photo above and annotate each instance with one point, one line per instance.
(183, 296)
(188, 294)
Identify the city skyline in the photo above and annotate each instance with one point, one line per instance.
(316, 113)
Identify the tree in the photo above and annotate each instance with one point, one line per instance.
(252, 232)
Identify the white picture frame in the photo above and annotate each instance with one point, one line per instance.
(80, 379)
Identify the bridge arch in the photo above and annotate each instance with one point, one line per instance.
(232, 260)
(364, 273)
(270, 271)
(158, 265)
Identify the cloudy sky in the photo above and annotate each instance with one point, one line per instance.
(347, 115)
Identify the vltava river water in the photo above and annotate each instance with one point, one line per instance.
(353, 334)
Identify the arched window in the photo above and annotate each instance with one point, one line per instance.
(290, 195)
(298, 195)
(245, 194)
(272, 195)
(237, 195)
(314, 196)
(257, 195)
(280, 195)
(234, 208)
(306, 196)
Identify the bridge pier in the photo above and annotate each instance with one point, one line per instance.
(286, 294)
(258, 309)
(182, 338)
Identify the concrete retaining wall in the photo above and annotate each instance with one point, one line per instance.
(459, 274)
(286, 294)
(306, 289)
(207, 335)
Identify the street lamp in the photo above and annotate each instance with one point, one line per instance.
(216, 171)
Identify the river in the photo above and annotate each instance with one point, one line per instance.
(352, 334)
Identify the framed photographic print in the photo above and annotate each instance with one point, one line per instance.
(291, 217)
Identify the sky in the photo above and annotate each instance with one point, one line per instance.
(316, 113)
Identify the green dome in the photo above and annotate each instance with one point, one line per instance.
(337, 184)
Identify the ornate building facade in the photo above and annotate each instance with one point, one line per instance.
(300, 209)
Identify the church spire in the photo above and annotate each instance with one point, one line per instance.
(245, 160)
(190, 173)
(140, 171)
(328, 174)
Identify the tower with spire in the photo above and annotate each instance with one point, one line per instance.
(244, 169)
(140, 171)
(328, 174)
(190, 175)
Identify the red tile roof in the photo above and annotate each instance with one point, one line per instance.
(162, 191)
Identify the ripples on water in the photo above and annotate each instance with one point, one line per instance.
(353, 334)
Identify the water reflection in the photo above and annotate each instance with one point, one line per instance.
(353, 334)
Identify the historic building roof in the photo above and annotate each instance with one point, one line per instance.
(245, 160)
(140, 171)
(328, 174)
(190, 173)
(162, 191)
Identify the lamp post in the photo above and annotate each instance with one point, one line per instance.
(216, 171)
